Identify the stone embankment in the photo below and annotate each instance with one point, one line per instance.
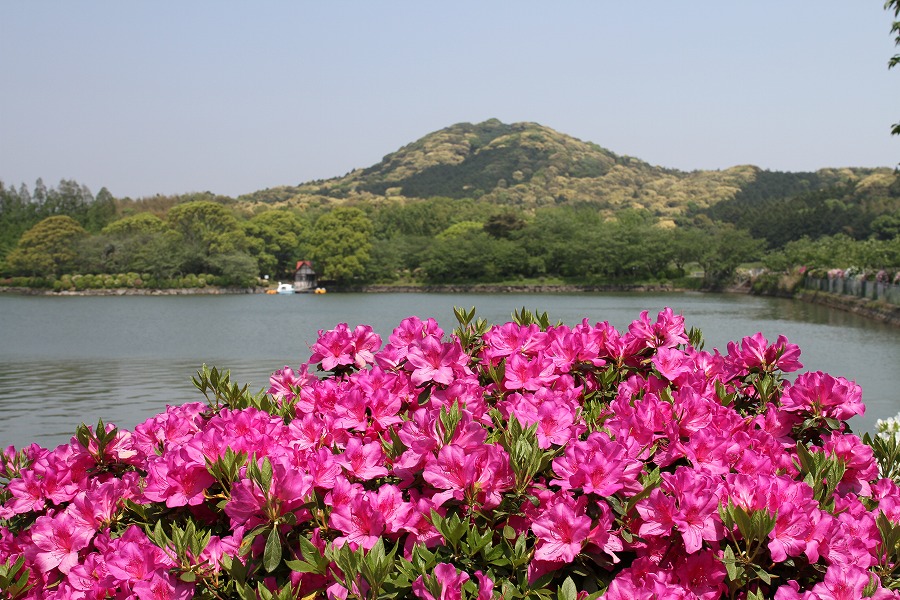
(879, 311)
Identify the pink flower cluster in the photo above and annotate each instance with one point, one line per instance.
(644, 446)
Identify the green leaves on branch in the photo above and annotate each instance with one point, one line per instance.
(470, 331)
(220, 392)
(184, 545)
(227, 469)
(525, 455)
(14, 579)
(449, 420)
(367, 574)
(526, 317)
(822, 473)
(886, 450)
(748, 534)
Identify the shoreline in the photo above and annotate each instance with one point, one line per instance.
(877, 311)
(480, 288)
(490, 288)
(204, 291)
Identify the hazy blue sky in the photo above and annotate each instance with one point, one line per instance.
(231, 97)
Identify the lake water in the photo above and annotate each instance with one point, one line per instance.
(67, 360)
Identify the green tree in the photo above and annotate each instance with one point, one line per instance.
(398, 256)
(504, 224)
(139, 224)
(48, 248)
(16, 216)
(724, 249)
(340, 244)
(274, 238)
(887, 227)
(474, 255)
(238, 268)
(207, 229)
(687, 246)
(100, 212)
(562, 240)
(141, 243)
(460, 229)
(427, 217)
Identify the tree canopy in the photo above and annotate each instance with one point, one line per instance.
(47, 248)
(340, 244)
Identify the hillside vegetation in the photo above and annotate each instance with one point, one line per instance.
(486, 202)
(527, 165)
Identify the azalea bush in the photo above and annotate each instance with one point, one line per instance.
(522, 460)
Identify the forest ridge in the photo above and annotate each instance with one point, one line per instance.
(486, 202)
(528, 165)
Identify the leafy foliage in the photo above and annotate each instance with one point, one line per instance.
(483, 203)
(47, 248)
(340, 244)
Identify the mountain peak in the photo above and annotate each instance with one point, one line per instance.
(474, 160)
(527, 165)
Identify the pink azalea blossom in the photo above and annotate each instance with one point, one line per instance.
(529, 374)
(363, 460)
(285, 383)
(431, 361)
(696, 516)
(666, 332)
(58, 541)
(333, 348)
(27, 494)
(598, 465)
(671, 363)
(821, 395)
(163, 586)
(842, 583)
(508, 339)
(358, 521)
(448, 579)
(754, 353)
(477, 475)
(561, 531)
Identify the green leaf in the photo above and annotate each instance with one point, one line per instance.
(763, 574)
(731, 568)
(272, 552)
(742, 519)
(650, 483)
(567, 591)
(302, 566)
(266, 474)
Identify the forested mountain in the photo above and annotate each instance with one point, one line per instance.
(528, 165)
(485, 202)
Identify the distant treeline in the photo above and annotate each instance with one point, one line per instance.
(804, 210)
(51, 232)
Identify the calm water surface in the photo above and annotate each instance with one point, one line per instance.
(69, 360)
